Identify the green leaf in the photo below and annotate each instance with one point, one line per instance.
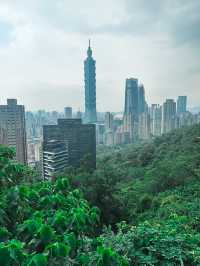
(5, 259)
(59, 249)
(38, 260)
(46, 233)
(4, 234)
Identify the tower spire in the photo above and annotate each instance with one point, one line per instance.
(89, 51)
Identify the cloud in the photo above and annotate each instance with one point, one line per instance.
(45, 42)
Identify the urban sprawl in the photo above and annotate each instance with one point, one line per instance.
(53, 141)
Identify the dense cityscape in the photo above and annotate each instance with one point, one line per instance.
(52, 141)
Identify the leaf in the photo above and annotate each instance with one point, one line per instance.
(38, 260)
(4, 234)
(59, 249)
(62, 183)
(4, 256)
(71, 240)
(46, 233)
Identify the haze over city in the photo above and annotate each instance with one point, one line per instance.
(43, 45)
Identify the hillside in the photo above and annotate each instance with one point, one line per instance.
(148, 196)
(128, 181)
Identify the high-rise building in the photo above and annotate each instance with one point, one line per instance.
(100, 132)
(80, 139)
(141, 99)
(68, 112)
(118, 137)
(108, 121)
(55, 158)
(144, 126)
(151, 110)
(117, 122)
(33, 151)
(90, 87)
(156, 120)
(168, 116)
(109, 138)
(181, 104)
(129, 127)
(109, 133)
(131, 98)
(12, 128)
(79, 114)
(131, 109)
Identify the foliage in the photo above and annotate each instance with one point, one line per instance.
(154, 187)
(12, 173)
(128, 175)
(47, 223)
(170, 242)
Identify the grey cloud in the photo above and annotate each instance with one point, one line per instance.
(179, 19)
(185, 27)
(146, 38)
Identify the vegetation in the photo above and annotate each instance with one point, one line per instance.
(148, 208)
(130, 182)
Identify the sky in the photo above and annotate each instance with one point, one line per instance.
(43, 44)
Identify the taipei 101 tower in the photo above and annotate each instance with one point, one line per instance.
(90, 87)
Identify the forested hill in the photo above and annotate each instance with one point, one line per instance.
(148, 196)
(155, 187)
(131, 180)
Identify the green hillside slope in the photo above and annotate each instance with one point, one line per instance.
(148, 196)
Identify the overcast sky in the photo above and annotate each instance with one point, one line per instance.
(43, 44)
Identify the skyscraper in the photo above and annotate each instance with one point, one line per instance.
(129, 128)
(131, 113)
(68, 112)
(181, 104)
(109, 133)
(156, 119)
(80, 139)
(100, 130)
(168, 116)
(90, 87)
(141, 99)
(12, 128)
(108, 121)
(144, 126)
(131, 98)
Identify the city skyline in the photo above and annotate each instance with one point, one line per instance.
(41, 55)
(90, 87)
